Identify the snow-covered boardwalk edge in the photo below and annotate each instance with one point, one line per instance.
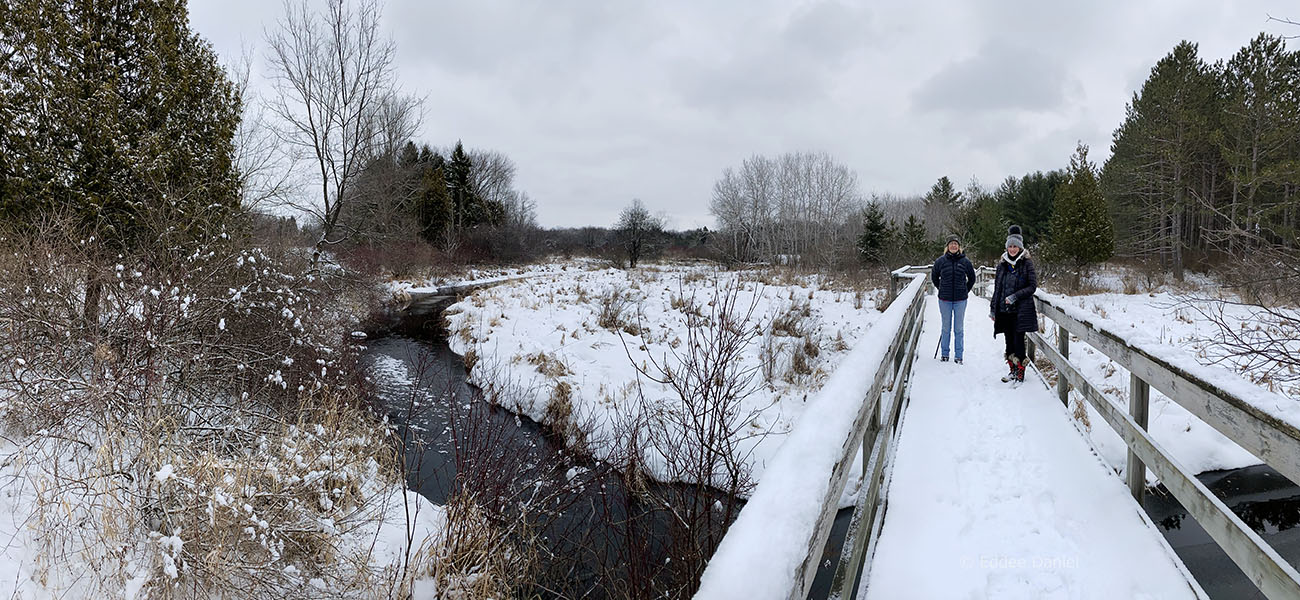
(763, 549)
(1261, 421)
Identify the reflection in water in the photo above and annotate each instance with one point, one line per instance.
(1264, 500)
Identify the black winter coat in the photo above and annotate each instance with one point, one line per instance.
(1018, 282)
(954, 276)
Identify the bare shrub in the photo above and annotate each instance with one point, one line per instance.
(699, 436)
(613, 306)
(791, 321)
(211, 423)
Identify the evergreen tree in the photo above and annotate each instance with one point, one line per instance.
(877, 235)
(914, 244)
(943, 193)
(1160, 155)
(118, 116)
(434, 207)
(1081, 231)
(1028, 202)
(459, 188)
(942, 205)
(982, 227)
(1258, 138)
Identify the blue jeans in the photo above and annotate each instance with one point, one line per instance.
(953, 313)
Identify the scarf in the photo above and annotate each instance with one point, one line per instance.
(1012, 261)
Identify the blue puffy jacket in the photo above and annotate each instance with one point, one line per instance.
(954, 276)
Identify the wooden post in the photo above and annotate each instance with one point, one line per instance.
(893, 287)
(1063, 345)
(1139, 395)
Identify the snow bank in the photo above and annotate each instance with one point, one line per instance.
(535, 340)
(767, 543)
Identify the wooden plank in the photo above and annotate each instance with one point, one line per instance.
(1063, 346)
(1139, 398)
(865, 513)
(1274, 441)
(1272, 574)
(870, 505)
(807, 571)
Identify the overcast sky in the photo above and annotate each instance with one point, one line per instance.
(602, 101)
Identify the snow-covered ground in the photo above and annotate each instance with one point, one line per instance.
(1171, 323)
(994, 495)
(491, 275)
(545, 339)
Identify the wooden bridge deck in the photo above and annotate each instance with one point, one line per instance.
(994, 494)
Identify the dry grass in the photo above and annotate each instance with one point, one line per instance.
(548, 365)
(476, 558)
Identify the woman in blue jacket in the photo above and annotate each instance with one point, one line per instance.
(1012, 304)
(954, 276)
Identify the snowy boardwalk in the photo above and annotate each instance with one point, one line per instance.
(995, 494)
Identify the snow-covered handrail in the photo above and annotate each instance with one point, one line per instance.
(1262, 422)
(773, 549)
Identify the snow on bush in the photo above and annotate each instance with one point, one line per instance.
(204, 434)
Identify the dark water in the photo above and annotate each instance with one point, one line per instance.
(1265, 500)
(592, 528)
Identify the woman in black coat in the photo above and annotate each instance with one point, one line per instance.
(1012, 304)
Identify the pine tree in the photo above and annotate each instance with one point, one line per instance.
(1081, 230)
(458, 187)
(1258, 138)
(913, 240)
(876, 237)
(1160, 155)
(982, 227)
(433, 206)
(943, 193)
(120, 117)
(1029, 201)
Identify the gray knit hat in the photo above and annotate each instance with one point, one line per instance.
(952, 237)
(1014, 239)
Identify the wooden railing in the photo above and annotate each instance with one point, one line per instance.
(879, 367)
(1266, 435)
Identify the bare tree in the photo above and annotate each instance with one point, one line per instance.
(262, 163)
(337, 99)
(638, 230)
(794, 207)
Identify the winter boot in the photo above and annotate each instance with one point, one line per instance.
(1011, 374)
(1020, 371)
(944, 359)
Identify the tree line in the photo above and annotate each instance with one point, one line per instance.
(1207, 161)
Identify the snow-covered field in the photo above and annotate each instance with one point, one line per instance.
(1171, 321)
(489, 275)
(592, 338)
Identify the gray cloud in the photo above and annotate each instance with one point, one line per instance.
(1001, 76)
(601, 102)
